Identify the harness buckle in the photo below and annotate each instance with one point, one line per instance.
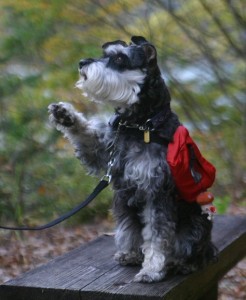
(148, 125)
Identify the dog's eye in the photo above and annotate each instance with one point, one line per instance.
(118, 59)
(118, 62)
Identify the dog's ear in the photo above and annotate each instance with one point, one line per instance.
(150, 53)
(118, 42)
(138, 40)
(148, 48)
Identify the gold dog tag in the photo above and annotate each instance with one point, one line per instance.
(146, 136)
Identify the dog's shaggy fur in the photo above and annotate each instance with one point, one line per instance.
(154, 227)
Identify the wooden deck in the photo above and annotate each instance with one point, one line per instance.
(90, 273)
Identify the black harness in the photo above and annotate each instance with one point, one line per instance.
(148, 131)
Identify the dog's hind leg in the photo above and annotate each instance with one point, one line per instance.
(193, 247)
(128, 237)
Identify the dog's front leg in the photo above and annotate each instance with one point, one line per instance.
(89, 137)
(128, 237)
(158, 236)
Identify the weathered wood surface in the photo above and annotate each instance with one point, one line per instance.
(90, 273)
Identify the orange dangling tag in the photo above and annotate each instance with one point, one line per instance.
(205, 198)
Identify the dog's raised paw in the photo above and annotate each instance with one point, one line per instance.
(62, 113)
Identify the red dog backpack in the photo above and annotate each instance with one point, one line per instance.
(192, 173)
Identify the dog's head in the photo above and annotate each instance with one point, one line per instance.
(120, 74)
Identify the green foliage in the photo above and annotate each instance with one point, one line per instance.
(201, 53)
(222, 204)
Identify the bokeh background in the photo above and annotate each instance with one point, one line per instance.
(201, 46)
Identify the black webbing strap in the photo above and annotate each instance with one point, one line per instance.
(152, 124)
(193, 160)
(101, 186)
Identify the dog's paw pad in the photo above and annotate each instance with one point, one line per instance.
(62, 113)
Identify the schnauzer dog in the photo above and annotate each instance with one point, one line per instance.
(154, 227)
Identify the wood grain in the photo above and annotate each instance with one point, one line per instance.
(89, 272)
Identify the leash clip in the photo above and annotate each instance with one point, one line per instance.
(107, 177)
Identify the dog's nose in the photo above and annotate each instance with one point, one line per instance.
(85, 62)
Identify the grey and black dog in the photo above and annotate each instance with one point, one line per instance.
(154, 227)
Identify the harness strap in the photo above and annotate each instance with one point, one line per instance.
(101, 186)
(160, 118)
(150, 127)
(193, 160)
(139, 134)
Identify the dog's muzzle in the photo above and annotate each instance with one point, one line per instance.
(85, 62)
(82, 64)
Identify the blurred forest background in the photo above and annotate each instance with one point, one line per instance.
(201, 46)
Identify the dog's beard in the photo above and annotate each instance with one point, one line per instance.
(102, 84)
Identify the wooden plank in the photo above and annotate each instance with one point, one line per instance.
(212, 294)
(89, 272)
(30, 293)
(62, 278)
(227, 235)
